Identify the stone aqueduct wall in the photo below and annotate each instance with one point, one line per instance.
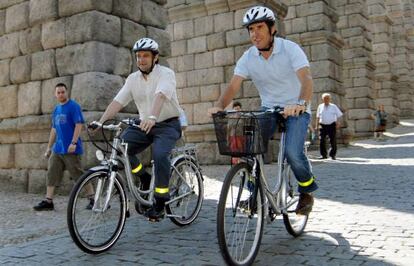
(361, 51)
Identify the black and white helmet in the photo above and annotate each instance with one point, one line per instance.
(146, 44)
(258, 14)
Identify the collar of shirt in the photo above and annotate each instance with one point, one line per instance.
(276, 47)
(152, 74)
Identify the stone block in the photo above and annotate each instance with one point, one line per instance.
(228, 73)
(162, 38)
(239, 50)
(7, 3)
(131, 32)
(45, 66)
(9, 45)
(28, 98)
(30, 40)
(181, 79)
(17, 17)
(123, 63)
(197, 45)
(299, 25)
(203, 26)
(224, 57)
(363, 103)
(201, 115)
(48, 92)
(4, 72)
(94, 91)
(153, 14)
(8, 131)
(216, 41)
(36, 181)
(185, 63)
(190, 95)
(93, 26)
(359, 113)
(86, 57)
(130, 9)
(188, 109)
(34, 129)
(6, 156)
(2, 21)
(30, 155)
(364, 125)
(321, 69)
(319, 22)
(209, 152)
(70, 7)
(13, 180)
(8, 101)
(20, 69)
(209, 93)
(358, 92)
(205, 76)
(178, 48)
(203, 60)
(237, 37)
(223, 22)
(53, 34)
(249, 90)
(310, 9)
(42, 11)
(238, 17)
(183, 29)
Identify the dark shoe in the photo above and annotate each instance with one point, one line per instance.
(322, 158)
(141, 209)
(305, 204)
(248, 204)
(333, 157)
(44, 205)
(90, 205)
(155, 213)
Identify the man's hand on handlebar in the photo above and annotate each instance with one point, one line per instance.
(214, 110)
(94, 127)
(293, 110)
(146, 125)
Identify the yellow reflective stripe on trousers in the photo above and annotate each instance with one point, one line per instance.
(307, 183)
(137, 169)
(160, 190)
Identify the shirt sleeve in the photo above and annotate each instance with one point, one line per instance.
(241, 68)
(318, 111)
(124, 95)
(338, 111)
(166, 84)
(53, 118)
(297, 56)
(77, 115)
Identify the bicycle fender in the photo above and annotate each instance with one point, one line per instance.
(99, 167)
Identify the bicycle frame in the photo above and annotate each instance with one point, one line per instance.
(119, 145)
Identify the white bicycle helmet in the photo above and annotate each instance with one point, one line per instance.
(146, 44)
(258, 14)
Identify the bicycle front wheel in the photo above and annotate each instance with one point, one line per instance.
(96, 230)
(186, 192)
(240, 216)
(295, 224)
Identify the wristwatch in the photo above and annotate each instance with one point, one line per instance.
(303, 103)
(152, 117)
(74, 143)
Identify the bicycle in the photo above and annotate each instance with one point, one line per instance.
(97, 230)
(246, 198)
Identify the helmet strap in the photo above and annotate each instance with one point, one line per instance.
(267, 49)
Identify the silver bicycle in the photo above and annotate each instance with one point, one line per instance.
(247, 199)
(96, 230)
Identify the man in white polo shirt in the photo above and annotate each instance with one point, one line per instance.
(280, 71)
(327, 117)
(153, 89)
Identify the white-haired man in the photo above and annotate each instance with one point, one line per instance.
(327, 118)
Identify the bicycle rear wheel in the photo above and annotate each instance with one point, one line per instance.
(295, 224)
(240, 216)
(186, 192)
(95, 231)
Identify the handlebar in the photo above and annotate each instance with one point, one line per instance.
(276, 109)
(113, 127)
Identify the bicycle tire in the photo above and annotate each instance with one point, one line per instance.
(74, 219)
(183, 212)
(228, 243)
(294, 224)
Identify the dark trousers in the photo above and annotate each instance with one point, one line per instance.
(163, 137)
(328, 130)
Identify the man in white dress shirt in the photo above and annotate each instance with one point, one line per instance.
(327, 117)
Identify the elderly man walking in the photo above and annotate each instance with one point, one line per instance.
(327, 117)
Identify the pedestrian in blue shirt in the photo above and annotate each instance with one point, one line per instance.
(67, 123)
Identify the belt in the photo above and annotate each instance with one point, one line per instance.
(170, 119)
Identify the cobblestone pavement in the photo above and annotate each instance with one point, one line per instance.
(363, 215)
